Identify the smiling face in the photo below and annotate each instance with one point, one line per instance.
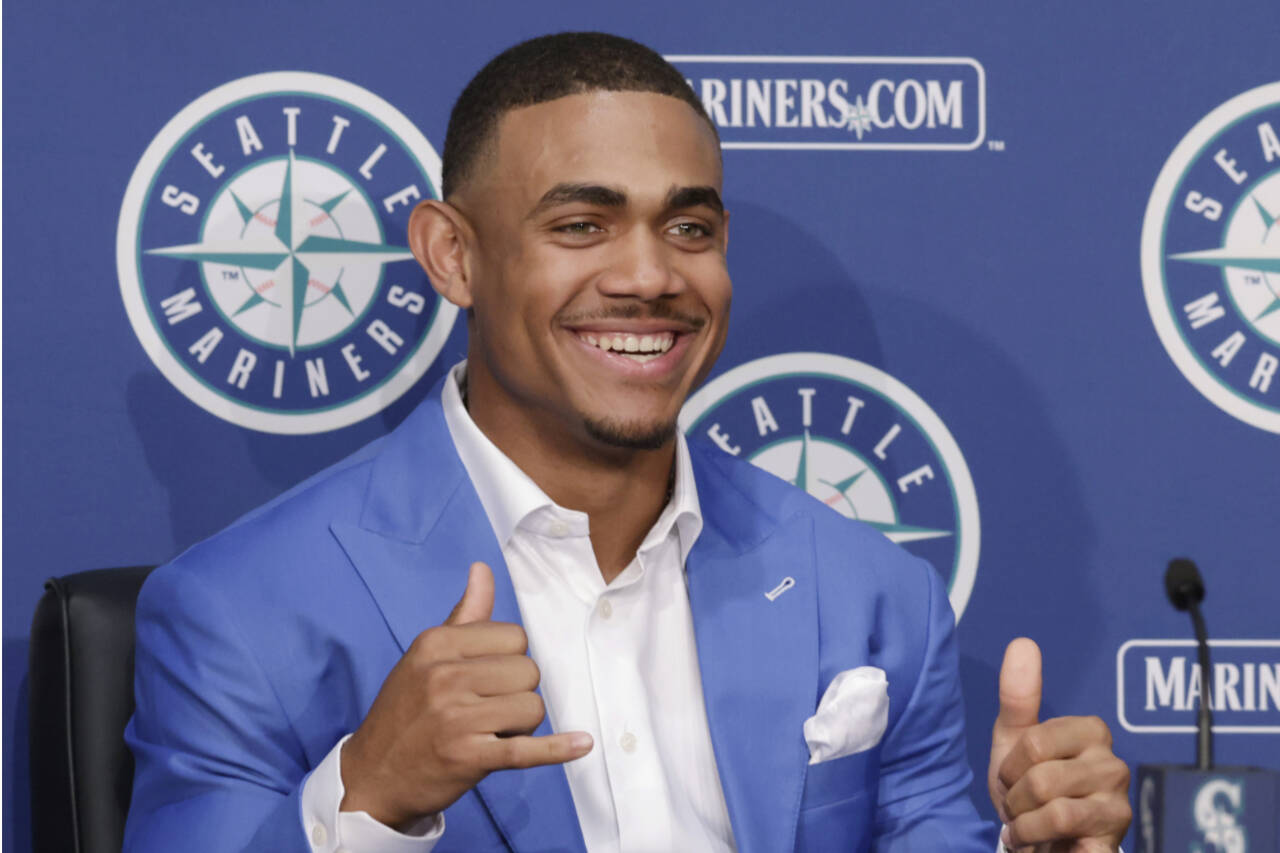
(595, 269)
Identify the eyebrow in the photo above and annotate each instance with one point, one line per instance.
(682, 197)
(594, 194)
(678, 198)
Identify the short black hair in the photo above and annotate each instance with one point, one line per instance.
(544, 69)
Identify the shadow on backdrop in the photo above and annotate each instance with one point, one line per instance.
(773, 288)
(214, 471)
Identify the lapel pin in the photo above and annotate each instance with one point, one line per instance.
(778, 590)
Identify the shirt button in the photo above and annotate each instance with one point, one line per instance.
(559, 528)
(606, 609)
(627, 742)
(319, 835)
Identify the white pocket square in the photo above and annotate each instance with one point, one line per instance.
(851, 717)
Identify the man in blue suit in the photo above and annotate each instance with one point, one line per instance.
(655, 646)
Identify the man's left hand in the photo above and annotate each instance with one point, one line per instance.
(1057, 785)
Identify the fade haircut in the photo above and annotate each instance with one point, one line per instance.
(544, 69)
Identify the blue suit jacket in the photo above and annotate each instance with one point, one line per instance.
(259, 648)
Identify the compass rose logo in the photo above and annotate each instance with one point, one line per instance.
(1211, 256)
(260, 257)
(859, 441)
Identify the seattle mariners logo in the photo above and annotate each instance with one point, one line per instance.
(1217, 804)
(261, 259)
(1211, 256)
(856, 439)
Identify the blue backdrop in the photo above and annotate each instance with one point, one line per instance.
(1017, 260)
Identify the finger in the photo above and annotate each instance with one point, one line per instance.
(512, 714)
(1046, 782)
(1100, 817)
(476, 604)
(471, 640)
(490, 675)
(487, 639)
(1061, 737)
(526, 751)
(1020, 685)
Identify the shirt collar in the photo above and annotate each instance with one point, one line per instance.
(509, 496)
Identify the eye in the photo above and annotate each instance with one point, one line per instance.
(690, 230)
(578, 228)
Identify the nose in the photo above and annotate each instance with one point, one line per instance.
(643, 268)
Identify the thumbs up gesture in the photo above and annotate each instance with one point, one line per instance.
(458, 705)
(1056, 784)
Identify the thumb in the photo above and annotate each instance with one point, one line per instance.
(1020, 686)
(476, 604)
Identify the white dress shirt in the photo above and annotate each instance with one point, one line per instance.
(618, 661)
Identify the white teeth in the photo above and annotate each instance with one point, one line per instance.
(639, 347)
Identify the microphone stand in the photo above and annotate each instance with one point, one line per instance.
(1204, 719)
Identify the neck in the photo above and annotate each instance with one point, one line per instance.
(622, 490)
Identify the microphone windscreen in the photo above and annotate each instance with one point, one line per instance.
(1182, 583)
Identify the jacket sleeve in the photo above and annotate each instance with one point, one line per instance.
(923, 801)
(218, 765)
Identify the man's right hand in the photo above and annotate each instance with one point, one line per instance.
(458, 705)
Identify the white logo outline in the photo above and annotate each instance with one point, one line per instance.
(153, 159)
(1189, 728)
(1159, 207)
(856, 60)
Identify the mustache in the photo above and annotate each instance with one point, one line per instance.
(637, 311)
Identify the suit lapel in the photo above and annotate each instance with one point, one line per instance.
(758, 656)
(422, 525)
(416, 583)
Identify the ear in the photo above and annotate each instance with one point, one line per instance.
(441, 238)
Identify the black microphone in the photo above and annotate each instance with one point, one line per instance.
(1182, 583)
(1227, 808)
(1186, 590)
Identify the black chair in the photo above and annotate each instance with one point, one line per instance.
(81, 697)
